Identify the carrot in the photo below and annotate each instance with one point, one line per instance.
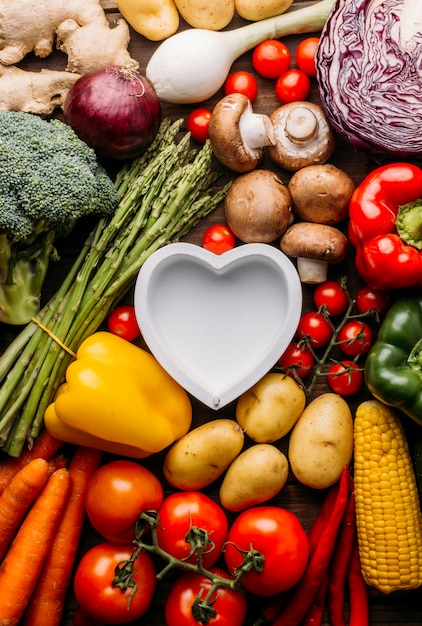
(47, 601)
(23, 562)
(17, 497)
(45, 447)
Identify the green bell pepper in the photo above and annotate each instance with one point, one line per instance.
(393, 368)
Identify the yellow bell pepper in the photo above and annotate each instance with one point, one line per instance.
(118, 398)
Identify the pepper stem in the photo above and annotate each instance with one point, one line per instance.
(409, 223)
(415, 357)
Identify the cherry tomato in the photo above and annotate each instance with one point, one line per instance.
(242, 82)
(116, 494)
(369, 299)
(218, 238)
(331, 295)
(305, 55)
(230, 604)
(105, 602)
(315, 326)
(181, 511)
(122, 322)
(298, 359)
(355, 338)
(271, 58)
(197, 123)
(292, 86)
(279, 536)
(345, 378)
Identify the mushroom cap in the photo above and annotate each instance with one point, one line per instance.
(303, 135)
(315, 241)
(225, 134)
(321, 193)
(257, 207)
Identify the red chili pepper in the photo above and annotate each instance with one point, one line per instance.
(304, 592)
(316, 611)
(340, 563)
(358, 592)
(385, 227)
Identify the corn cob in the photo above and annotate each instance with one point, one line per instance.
(388, 513)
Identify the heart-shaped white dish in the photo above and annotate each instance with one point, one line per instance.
(217, 323)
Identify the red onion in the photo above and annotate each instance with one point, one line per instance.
(115, 110)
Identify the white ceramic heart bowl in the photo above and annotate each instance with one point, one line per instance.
(217, 323)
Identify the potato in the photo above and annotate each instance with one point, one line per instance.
(203, 454)
(269, 410)
(154, 20)
(255, 11)
(321, 442)
(204, 14)
(255, 476)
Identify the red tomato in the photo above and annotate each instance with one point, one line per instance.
(116, 494)
(345, 378)
(279, 536)
(181, 511)
(292, 86)
(271, 58)
(305, 55)
(242, 82)
(331, 295)
(230, 605)
(355, 338)
(297, 359)
(122, 322)
(316, 328)
(197, 123)
(369, 299)
(218, 238)
(105, 602)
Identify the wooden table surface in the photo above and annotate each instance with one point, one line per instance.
(397, 609)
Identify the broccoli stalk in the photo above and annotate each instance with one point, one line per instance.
(49, 178)
(23, 268)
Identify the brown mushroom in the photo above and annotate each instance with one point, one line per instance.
(303, 136)
(237, 134)
(321, 193)
(314, 246)
(257, 207)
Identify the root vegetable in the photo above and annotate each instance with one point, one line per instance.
(270, 409)
(40, 93)
(321, 194)
(154, 20)
(321, 442)
(204, 14)
(255, 11)
(258, 207)
(255, 476)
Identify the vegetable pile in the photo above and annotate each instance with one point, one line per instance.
(163, 194)
(370, 86)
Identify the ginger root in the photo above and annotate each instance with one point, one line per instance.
(34, 92)
(79, 29)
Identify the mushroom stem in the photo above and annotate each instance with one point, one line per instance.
(256, 130)
(301, 124)
(312, 271)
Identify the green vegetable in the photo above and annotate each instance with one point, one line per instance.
(393, 368)
(163, 194)
(49, 179)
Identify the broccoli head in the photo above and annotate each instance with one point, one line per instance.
(49, 178)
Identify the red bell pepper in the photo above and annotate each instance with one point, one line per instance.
(385, 227)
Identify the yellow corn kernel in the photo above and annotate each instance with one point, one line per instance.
(388, 512)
